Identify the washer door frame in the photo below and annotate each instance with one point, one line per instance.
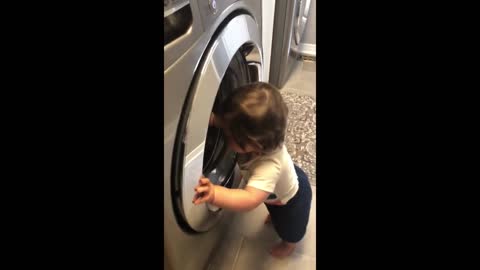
(187, 163)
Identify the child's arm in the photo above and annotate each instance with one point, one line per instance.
(232, 199)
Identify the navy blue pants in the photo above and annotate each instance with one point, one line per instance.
(290, 220)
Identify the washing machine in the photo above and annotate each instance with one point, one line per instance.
(289, 24)
(211, 48)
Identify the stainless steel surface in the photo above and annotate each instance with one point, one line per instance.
(179, 72)
(174, 50)
(310, 34)
(170, 8)
(288, 27)
(303, 6)
(185, 60)
(213, 5)
(306, 50)
(239, 31)
(206, 10)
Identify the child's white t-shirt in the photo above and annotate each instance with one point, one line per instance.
(273, 173)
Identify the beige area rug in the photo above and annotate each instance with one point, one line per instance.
(301, 132)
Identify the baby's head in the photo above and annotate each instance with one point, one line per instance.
(255, 118)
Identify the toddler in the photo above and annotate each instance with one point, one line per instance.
(254, 119)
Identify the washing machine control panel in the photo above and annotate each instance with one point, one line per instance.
(211, 9)
(213, 5)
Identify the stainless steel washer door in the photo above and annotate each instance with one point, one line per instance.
(302, 8)
(238, 41)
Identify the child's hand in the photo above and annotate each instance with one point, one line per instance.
(204, 191)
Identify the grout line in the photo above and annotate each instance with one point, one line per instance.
(238, 253)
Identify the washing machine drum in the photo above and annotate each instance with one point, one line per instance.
(218, 160)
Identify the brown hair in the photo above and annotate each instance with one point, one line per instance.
(256, 113)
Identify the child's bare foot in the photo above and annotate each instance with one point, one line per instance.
(282, 249)
(268, 219)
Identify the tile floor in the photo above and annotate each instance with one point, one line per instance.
(249, 239)
(303, 79)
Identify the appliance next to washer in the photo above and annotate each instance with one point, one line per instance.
(289, 23)
(211, 48)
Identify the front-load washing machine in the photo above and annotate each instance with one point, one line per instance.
(289, 24)
(211, 48)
